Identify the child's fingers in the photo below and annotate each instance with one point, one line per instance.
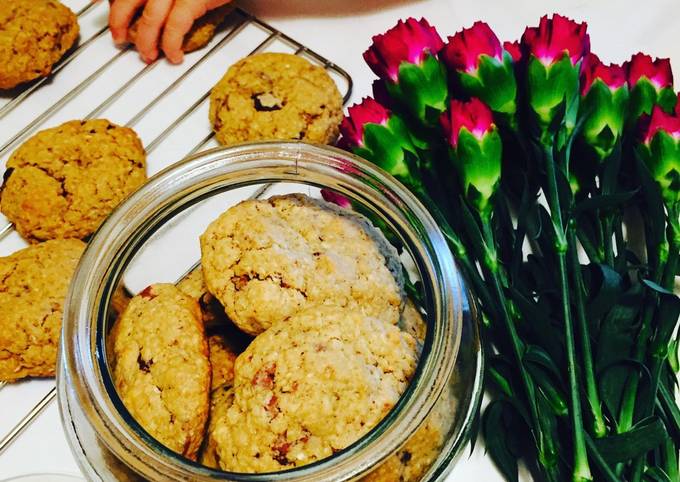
(150, 24)
(179, 22)
(120, 16)
(213, 4)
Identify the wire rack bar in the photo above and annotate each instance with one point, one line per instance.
(176, 83)
(33, 125)
(161, 137)
(28, 418)
(244, 20)
(121, 90)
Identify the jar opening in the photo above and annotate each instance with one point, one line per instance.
(196, 184)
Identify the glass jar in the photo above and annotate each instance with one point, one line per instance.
(145, 241)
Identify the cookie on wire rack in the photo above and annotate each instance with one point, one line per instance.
(34, 35)
(64, 181)
(275, 96)
(33, 286)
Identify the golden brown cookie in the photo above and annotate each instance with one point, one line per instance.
(159, 359)
(34, 35)
(275, 96)
(222, 358)
(64, 181)
(201, 33)
(414, 459)
(311, 386)
(266, 260)
(33, 286)
(221, 400)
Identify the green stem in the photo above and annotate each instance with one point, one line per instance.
(599, 427)
(659, 346)
(608, 232)
(590, 249)
(670, 459)
(629, 397)
(620, 246)
(581, 470)
(606, 471)
(516, 344)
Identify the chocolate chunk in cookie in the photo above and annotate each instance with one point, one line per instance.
(275, 96)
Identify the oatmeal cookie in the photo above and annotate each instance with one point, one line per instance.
(266, 260)
(201, 33)
(33, 287)
(159, 357)
(275, 96)
(221, 400)
(34, 35)
(64, 181)
(222, 357)
(311, 386)
(414, 459)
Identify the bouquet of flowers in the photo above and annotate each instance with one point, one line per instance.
(539, 147)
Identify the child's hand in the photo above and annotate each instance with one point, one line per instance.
(169, 19)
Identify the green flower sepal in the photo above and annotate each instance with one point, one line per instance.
(422, 89)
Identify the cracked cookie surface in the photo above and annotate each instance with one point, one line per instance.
(34, 35)
(159, 357)
(33, 286)
(311, 386)
(64, 181)
(201, 32)
(275, 96)
(266, 260)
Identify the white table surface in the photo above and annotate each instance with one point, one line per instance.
(340, 30)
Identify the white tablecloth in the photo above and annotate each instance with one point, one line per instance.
(341, 30)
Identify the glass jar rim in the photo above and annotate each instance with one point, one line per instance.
(217, 170)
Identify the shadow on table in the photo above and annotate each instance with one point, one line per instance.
(318, 8)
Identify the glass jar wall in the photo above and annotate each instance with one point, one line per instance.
(152, 237)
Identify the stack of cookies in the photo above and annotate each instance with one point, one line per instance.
(291, 341)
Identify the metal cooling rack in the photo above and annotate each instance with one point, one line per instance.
(233, 27)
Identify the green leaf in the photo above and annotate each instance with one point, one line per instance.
(473, 232)
(653, 211)
(604, 201)
(599, 462)
(643, 437)
(657, 287)
(499, 372)
(671, 410)
(673, 356)
(604, 286)
(549, 389)
(495, 437)
(615, 342)
(537, 355)
(657, 474)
